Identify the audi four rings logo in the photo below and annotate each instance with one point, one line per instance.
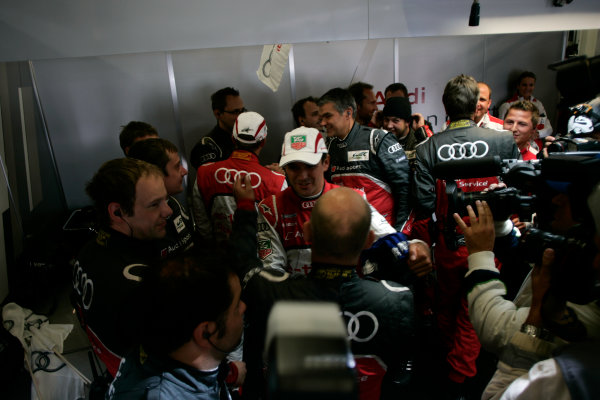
(368, 319)
(228, 176)
(460, 151)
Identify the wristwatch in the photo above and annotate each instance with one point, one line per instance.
(537, 332)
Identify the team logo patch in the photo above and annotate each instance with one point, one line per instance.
(179, 224)
(298, 142)
(359, 155)
(265, 209)
(264, 249)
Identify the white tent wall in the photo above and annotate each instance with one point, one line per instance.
(86, 100)
(64, 28)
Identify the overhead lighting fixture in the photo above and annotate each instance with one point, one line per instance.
(474, 16)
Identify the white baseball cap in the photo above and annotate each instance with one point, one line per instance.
(303, 144)
(249, 128)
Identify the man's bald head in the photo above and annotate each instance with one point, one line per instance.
(339, 224)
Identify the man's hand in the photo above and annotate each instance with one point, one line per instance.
(275, 168)
(417, 121)
(480, 235)
(540, 283)
(242, 188)
(419, 259)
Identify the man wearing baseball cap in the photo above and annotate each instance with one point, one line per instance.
(281, 244)
(213, 201)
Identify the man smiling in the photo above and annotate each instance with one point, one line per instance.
(521, 119)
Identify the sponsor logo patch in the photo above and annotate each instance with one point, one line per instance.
(359, 155)
(394, 148)
(298, 142)
(179, 224)
(265, 249)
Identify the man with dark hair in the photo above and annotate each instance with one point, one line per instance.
(524, 91)
(164, 154)
(521, 119)
(131, 201)
(366, 103)
(462, 140)
(395, 90)
(133, 132)
(217, 145)
(191, 317)
(306, 112)
(370, 160)
(482, 116)
(339, 228)
(213, 200)
(408, 128)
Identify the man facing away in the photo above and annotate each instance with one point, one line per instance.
(462, 140)
(213, 200)
(191, 316)
(338, 230)
(370, 160)
(164, 155)
(131, 201)
(133, 132)
(217, 145)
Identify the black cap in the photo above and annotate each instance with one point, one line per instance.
(398, 107)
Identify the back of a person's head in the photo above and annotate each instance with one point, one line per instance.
(116, 181)
(394, 87)
(298, 108)
(340, 222)
(154, 151)
(460, 97)
(342, 99)
(219, 98)
(180, 294)
(134, 131)
(357, 90)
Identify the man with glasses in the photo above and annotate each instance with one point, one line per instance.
(217, 145)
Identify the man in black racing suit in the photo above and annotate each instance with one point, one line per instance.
(338, 230)
(369, 160)
(461, 141)
(131, 201)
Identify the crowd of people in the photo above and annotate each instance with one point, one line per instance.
(176, 302)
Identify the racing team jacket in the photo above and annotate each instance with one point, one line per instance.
(461, 140)
(213, 199)
(543, 127)
(281, 216)
(107, 271)
(178, 238)
(217, 145)
(379, 314)
(372, 161)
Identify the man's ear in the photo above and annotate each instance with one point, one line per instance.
(326, 162)
(217, 113)
(114, 211)
(370, 240)
(203, 332)
(306, 231)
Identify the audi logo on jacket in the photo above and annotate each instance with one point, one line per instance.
(461, 141)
